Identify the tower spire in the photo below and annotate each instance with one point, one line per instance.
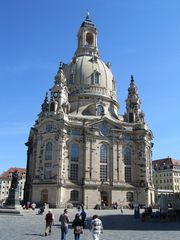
(133, 104)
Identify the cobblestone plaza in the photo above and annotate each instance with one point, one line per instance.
(119, 226)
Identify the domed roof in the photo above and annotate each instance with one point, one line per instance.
(90, 75)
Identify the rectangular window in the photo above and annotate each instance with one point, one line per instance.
(95, 78)
(71, 79)
(103, 172)
(73, 171)
(76, 132)
(128, 174)
(129, 196)
(47, 170)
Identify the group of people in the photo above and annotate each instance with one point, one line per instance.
(78, 224)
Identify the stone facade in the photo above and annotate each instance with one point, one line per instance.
(80, 149)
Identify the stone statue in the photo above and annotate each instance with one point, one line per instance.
(15, 179)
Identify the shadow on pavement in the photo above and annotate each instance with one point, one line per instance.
(128, 222)
(34, 234)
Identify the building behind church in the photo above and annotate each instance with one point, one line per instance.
(80, 150)
(5, 183)
(166, 176)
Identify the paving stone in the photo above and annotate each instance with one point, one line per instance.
(117, 226)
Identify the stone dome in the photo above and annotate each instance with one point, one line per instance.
(88, 74)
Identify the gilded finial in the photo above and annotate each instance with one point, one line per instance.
(88, 14)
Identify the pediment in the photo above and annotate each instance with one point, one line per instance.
(104, 127)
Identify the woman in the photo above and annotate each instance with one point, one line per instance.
(77, 225)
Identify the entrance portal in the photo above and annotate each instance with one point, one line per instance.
(44, 196)
(104, 199)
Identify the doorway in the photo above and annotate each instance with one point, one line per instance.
(44, 196)
(104, 199)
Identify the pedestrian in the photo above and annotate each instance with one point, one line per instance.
(96, 227)
(77, 226)
(64, 219)
(49, 221)
(33, 206)
(121, 209)
(83, 217)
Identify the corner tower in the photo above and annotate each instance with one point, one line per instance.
(133, 105)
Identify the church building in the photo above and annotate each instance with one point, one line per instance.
(80, 149)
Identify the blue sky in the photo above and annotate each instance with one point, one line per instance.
(138, 37)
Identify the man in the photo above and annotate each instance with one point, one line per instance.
(96, 227)
(83, 217)
(64, 219)
(49, 221)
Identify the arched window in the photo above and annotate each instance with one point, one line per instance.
(99, 110)
(89, 38)
(96, 78)
(103, 162)
(52, 107)
(74, 195)
(74, 152)
(48, 151)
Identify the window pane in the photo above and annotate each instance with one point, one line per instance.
(71, 79)
(49, 127)
(47, 171)
(129, 196)
(127, 157)
(74, 152)
(103, 172)
(48, 151)
(99, 110)
(103, 154)
(96, 78)
(74, 171)
(128, 174)
(74, 195)
(76, 132)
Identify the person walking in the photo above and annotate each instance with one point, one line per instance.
(49, 221)
(83, 217)
(96, 227)
(64, 219)
(77, 226)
